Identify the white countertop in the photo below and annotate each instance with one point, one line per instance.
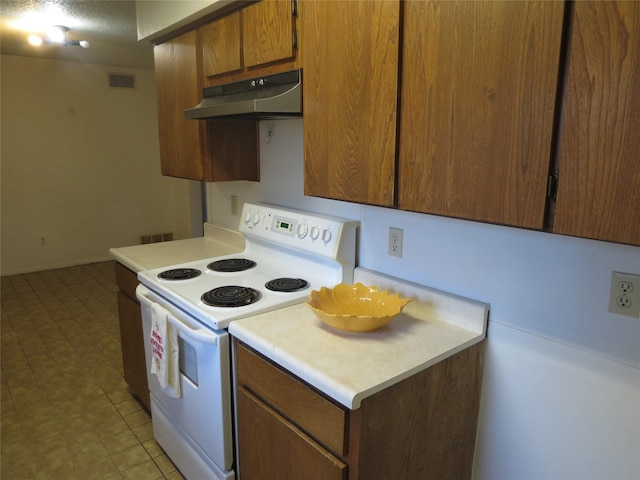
(216, 241)
(350, 367)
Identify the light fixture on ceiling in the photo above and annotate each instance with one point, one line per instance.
(56, 35)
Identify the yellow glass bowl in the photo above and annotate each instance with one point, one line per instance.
(355, 308)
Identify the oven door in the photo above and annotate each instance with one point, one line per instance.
(197, 424)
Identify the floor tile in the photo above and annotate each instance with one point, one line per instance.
(66, 411)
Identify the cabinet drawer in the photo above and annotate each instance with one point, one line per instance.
(313, 413)
(127, 281)
(262, 434)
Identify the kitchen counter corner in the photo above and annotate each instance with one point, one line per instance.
(349, 366)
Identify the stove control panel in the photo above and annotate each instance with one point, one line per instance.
(310, 232)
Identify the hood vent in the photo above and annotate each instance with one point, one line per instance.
(270, 96)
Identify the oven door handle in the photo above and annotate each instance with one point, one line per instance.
(198, 334)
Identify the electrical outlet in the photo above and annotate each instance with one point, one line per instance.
(624, 298)
(395, 242)
(43, 241)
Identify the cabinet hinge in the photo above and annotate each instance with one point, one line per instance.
(294, 8)
(295, 40)
(552, 185)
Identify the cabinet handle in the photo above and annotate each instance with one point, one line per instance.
(187, 329)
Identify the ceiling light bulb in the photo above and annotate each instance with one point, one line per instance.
(84, 44)
(35, 40)
(57, 34)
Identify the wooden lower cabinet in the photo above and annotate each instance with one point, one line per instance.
(131, 336)
(422, 427)
(278, 448)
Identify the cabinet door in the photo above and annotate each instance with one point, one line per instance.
(349, 55)
(599, 155)
(198, 149)
(220, 42)
(269, 446)
(478, 93)
(132, 340)
(313, 413)
(131, 337)
(234, 150)
(178, 88)
(267, 32)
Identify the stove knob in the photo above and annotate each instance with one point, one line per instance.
(315, 233)
(326, 236)
(256, 218)
(302, 230)
(247, 218)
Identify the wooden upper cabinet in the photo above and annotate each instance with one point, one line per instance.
(599, 150)
(349, 55)
(268, 32)
(211, 151)
(478, 92)
(177, 87)
(233, 150)
(260, 36)
(221, 45)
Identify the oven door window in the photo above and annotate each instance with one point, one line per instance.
(188, 361)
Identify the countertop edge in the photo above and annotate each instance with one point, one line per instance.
(356, 401)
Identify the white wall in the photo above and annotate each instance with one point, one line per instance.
(561, 395)
(80, 165)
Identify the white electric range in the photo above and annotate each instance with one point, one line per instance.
(288, 253)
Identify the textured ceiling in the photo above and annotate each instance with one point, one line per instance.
(108, 26)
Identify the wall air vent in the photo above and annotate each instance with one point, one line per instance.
(156, 237)
(122, 81)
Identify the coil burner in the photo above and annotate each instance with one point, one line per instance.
(179, 274)
(286, 284)
(231, 265)
(231, 296)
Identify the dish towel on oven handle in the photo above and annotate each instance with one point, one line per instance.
(165, 353)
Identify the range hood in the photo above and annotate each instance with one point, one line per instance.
(269, 96)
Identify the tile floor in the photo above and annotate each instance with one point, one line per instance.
(67, 413)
